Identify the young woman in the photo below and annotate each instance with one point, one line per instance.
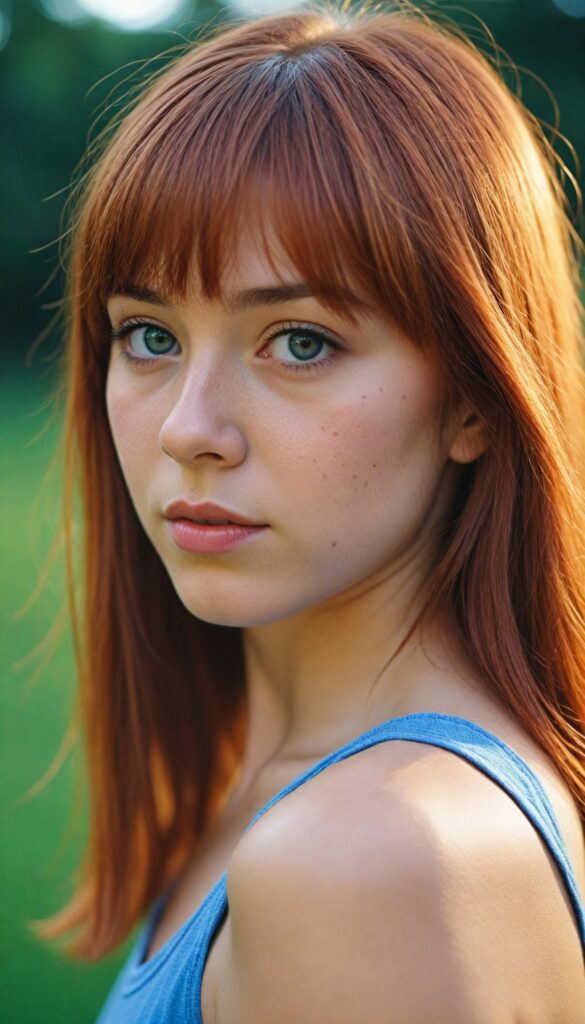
(326, 408)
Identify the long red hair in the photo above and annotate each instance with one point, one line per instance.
(392, 158)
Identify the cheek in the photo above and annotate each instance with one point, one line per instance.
(368, 445)
(366, 469)
(134, 433)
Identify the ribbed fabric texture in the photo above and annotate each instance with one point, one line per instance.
(167, 988)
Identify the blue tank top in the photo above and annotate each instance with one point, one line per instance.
(166, 989)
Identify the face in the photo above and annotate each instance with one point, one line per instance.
(290, 416)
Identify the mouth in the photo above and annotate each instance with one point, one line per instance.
(207, 513)
(211, 537)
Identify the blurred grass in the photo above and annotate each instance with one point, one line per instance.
(43, 835)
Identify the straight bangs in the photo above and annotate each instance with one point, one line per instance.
(291, 145)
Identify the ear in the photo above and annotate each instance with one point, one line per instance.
(469, 440)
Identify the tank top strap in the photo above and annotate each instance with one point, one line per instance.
(481, 748)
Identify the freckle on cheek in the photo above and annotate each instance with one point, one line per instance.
(333, 543)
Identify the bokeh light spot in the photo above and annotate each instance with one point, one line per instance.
(574, 8)
(124, 14)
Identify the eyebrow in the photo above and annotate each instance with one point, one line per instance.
(249, 298)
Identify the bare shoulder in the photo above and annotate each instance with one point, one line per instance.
(398, 887)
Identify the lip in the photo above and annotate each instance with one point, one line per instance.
(203, 539)
(183, 509)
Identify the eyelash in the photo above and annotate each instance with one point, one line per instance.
(126, 328)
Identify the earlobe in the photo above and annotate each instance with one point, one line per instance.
(470, 440)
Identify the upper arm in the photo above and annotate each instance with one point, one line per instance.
(386, 917)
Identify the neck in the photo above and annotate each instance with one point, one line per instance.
(316, 681)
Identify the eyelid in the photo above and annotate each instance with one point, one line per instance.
(128, 322)
(144, 321)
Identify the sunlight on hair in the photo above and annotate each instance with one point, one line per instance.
(131, 14)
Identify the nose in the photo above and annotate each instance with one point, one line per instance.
(202, 420)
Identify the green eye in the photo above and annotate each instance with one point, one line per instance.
(305, 343)
(155, 340)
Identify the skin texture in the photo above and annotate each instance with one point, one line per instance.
(349, 467)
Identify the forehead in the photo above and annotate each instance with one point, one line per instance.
(256, 260)
(257, 272)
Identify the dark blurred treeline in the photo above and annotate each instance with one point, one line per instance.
(55, 78)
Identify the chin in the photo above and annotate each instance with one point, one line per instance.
(238, 608)
(234, 610)
(235, 621)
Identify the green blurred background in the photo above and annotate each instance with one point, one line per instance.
(61, 64)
